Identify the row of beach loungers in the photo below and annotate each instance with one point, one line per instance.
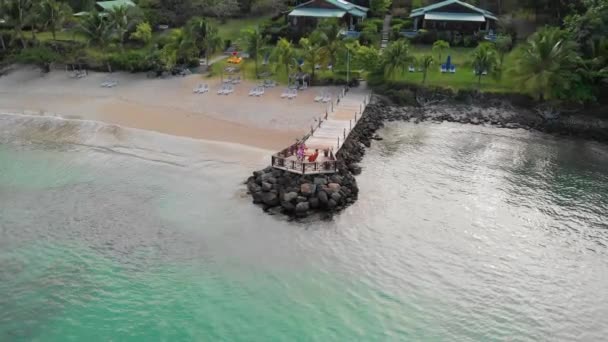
(79, 74)
(109, 84)
(226, 89)
(233, 80)
(444, 69)
(257, 91)
(201, 89)
(289, 94)
(323, 96)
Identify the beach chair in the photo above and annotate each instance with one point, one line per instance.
(411, 68)
(319, 97)
(285, 93)
(293, 94)
(326, 98)
(198, 89)
(205, 88)
(444, 68)
(452, 69)
(105, 84)
(330, 67)
(229, 90)
(260, 92)
(221, 90)
(236, 80)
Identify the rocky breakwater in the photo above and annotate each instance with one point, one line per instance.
(295, 195)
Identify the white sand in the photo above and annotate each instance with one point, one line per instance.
(166, 105)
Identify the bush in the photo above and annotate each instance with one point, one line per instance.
(41, 56)
(467, 41)
(133, 61)
(379, 23)
(143, 33)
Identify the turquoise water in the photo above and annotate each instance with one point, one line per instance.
(461, 233)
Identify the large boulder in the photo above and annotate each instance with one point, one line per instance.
(322, 196)
(314, 203)
(290, 196)
(307, 189)
(257, 197)
(302, 207)
(270, 199)
(333, 187)
(288, 206)
(266, 186)
(320, 181)
(336, 197)
(331, 204)
(253, 188)
(301, 199)
(266, 176)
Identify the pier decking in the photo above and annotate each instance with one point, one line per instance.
(326, 136)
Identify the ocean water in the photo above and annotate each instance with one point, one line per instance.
(461, 233)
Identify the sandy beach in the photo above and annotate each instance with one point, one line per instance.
(165, 105)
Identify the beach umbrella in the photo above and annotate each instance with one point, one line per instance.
(448, 63)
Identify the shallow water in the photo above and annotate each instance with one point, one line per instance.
(460, 233)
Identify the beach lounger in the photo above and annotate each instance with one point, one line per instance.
(198, 89)
(443, 69)
(221, 90)
(253, 91)
(236, 80)
(285, 93)
(260, 91)
(292, 94)
(411, 69)
(205, 88)
(452, 69)
(319, 97)
(326, 99)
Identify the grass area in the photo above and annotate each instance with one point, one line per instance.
(71, 35)
(231, 29)
(464, 78)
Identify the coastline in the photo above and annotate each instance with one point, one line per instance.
(164, 105)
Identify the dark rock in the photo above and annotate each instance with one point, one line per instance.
(336, 197)
(307, 189)
(290, 196)
(331, 204)
(257, 197)
(257, 174)
(336, 179)
(320, 181)
(322, 196)
(271, 180)
(266, 186)
(270, 199)
(302, 207)
(314, 203)
(355, 169)
(289, 207)
(266, 176)
(253, 187)
(301, 199)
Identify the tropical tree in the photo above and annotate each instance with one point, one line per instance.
(143, 33)
(503, 46)
(396, 56)
(121, 18)
(53, 15)
(181, 45)
(426, 62)
(331, 41)
(15, 13)
(368, 58)
(203, 35)
(95, 29)
(284, 53)
(544, 64)
(311, 52)
(485, 60)
(439, 48)
(254, 43)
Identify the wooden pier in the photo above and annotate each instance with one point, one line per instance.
(326, 136)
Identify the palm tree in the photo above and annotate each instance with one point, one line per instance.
(96, 30)
(544, 62)
(425, 63)
(439, 47)
(16, 14)
(330, 41)
(120, 19)
(53, 14)
(254, 42)
(311, 51)
(204, 35)
(485, 59)
(181, 44)
(503, 46)
(285, 53)
(396, 56)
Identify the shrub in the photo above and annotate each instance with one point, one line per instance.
(467, 41)
(41, 56)
(133, 61)
(143, 33)
(376, 22)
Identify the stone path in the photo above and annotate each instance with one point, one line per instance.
(386, 30)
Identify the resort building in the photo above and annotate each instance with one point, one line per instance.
(453, 15)
(306, 15)
(104, 6)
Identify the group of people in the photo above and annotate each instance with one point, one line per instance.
(300, 151)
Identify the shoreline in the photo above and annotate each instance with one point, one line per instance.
(165, 106)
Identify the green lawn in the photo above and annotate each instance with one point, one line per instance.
(60, 35)
(231, 29)
(464, 77)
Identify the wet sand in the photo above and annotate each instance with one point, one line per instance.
(165, 105)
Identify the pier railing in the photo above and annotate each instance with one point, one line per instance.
(287, 159)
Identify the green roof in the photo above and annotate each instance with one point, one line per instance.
(317, 13)
(356, 10)
(109, 5)
(424, 10)
(447, 16)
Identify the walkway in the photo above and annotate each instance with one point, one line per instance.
(329, 135)
(386, 31)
